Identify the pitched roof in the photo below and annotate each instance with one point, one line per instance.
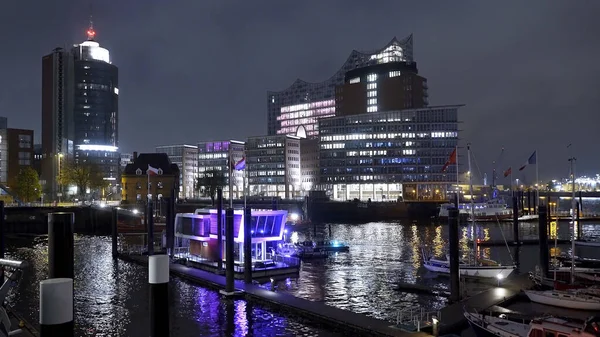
(156, 160)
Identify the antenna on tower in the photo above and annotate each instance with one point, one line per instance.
(91, 33)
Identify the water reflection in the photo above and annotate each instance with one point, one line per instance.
(111, 298)
(384, 255)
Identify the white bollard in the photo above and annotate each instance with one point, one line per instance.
(158, 278)
(56, 307)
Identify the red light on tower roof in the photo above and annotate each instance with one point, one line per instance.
(91, 33)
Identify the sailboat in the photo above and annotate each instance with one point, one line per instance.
(482, 268)
(569, 298)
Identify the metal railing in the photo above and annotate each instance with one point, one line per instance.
(416, 317)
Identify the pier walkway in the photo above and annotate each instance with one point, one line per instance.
(453, 318)
(334, 317)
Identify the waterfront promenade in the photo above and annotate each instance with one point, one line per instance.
(316, 311)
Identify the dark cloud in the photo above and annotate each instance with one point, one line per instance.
(195, 70)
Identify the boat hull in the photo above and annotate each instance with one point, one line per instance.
(472, 271)
(579, 303)
(587, 243)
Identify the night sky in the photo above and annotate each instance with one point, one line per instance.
(528, 71)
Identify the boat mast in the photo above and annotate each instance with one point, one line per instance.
(472, 202)
(573, 218)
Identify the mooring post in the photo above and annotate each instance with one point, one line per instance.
(579, 226)
(219, 229)
(170, 219)
(274, 204)
(150, 222)
(2, 223)
(229, 251)
(114, 234)
(515, 209)
(543, 237)
(578, 222)
(56, 307)
(330, 235)
(453, 241)
(60, 245)
(529, 202)
(158, 280)
(247, 245)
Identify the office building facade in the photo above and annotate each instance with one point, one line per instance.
(389, 155)
(79, 110)
(20, 153)
(304, 103)
(215, 156)
(273, 165)
(186, 157)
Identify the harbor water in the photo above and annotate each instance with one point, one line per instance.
(112, 296)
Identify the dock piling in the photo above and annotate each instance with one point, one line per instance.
(229, 263)
(578, 222)
(219, 229)
(56, 307)
(453, 241)
(114, 224)
(580, 207)
(247, 246)
(158, 280)
(60, 245)
(529, 202)
(2, 222)
(515, 210)
(150, 225)
(543, 237)
(170, 224)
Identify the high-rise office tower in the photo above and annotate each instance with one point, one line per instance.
(79, 111)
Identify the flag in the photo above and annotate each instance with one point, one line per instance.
(152, 171)
(450, 161)
(239, 165)
(508, 172)
(532, 160)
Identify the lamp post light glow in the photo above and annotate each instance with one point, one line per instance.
(499, 277)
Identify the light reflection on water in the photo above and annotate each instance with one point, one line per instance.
(384, 255)
(111, 298)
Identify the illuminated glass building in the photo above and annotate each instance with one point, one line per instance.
(388, 155)
(95, 108)
(304, 103)
(79, 111)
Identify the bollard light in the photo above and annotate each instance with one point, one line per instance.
(499, 277)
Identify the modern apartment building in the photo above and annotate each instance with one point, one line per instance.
(216, 156)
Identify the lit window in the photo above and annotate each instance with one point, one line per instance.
(372, 93)
(371, 86)
(372, 108)
(354, 80)
(395, 73)
(372, 101)
(116, 91)
(371, 77)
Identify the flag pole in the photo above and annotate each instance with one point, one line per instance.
(537, 180)
(457, 188)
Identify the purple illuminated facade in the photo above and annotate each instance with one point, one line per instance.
(215, 156)
(196, 234)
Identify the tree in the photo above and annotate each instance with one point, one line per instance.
(208, 184)
(28, 187)
(82, 175)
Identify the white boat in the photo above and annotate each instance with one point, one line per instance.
(465, 269)
(565, 299)
(540, 327)
(492, 210)
(479, 267)
(529, 217)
